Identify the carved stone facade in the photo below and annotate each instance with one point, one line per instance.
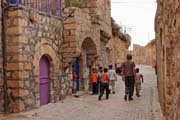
(167, 24)
(145, 54)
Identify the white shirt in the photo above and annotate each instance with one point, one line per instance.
(112, 74)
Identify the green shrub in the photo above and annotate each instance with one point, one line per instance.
(74, 3)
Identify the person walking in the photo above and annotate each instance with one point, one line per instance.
(104, 84)
(94, 80)
(138, 79)
(128, 74)
(112, 77)
(99, 78)
(74, 80)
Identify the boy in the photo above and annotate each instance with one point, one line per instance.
(94, 80)
(112, 77)
(99, 78)
(104, 84)
(138, 79)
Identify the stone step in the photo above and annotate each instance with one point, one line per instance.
(78, 94)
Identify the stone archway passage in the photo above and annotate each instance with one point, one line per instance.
(86, 62)
(89, 50)
(44, 86)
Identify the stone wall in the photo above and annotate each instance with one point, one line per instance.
(167, 25)
(86, 36)
(29, 36)
(81, 39)
(118, 50)
(77, 28)
(151, 53)
(138, 54)
(1, 63)
(104, 12)
(100, 12)
(145, 54)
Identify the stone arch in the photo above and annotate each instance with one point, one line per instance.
(89, 48)
(88, 59)
(45, 49)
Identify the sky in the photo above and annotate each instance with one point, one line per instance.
(137, 16)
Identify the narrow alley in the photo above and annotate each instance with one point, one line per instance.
(87, 107)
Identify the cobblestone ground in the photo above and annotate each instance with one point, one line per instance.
(87, 107)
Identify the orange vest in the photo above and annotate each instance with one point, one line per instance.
(105, 78)
(94, 78)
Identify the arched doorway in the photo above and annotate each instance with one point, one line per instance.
(44, 86)
(86, 62)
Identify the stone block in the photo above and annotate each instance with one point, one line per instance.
(73, 44)
(20, 57)
(73, 32)
(66, 32)
(70, 38)
(15, 66)
(14, 30)
(70, 26)
(27, 83)
(68, 60)
(11, 49)
(69, 50)
(24, 92)
(34, 16)
(16, 106)
(19, 22)
(23, 39)
(15, 83)
(20, 74)
(30, 101)
(66, 45)
(65, 55)
(15, 92)
(15, 13)
(69, 20)
(27, 66)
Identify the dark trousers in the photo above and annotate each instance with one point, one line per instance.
(98, 86)
(94, 88)
(104, 86)
(129, 85)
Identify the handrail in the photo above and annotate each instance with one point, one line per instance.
(51, 7)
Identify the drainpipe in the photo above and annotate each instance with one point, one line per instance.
(4, 57)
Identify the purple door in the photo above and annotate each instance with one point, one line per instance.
(44, 81)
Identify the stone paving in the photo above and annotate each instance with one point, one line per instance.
(87, 107)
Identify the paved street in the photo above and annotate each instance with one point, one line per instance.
(87, 107)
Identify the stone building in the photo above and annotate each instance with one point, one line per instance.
(145, 54)
(118, 45)
(86, 34)
(39, 44)
(168, 48)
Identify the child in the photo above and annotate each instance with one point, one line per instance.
(94, 80)
(112, 77)
(138, 79)
(104, 84)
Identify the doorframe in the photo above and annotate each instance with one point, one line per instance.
(49, 77)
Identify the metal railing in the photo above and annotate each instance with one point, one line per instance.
(50, 7)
